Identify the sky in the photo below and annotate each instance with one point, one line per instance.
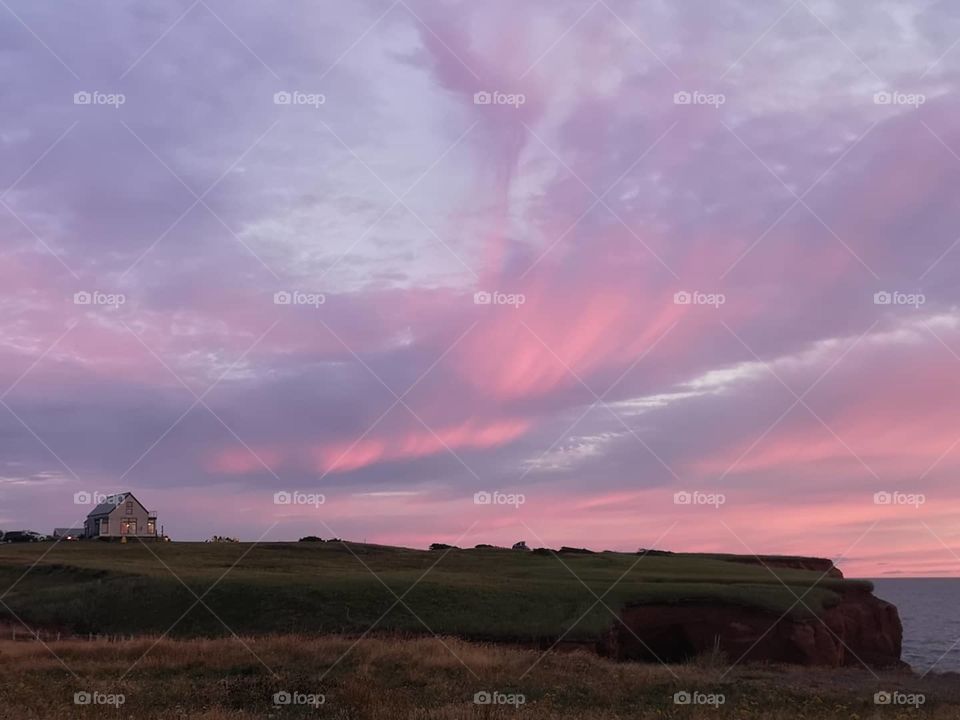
(616, 275)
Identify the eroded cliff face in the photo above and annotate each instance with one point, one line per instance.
(860, 630)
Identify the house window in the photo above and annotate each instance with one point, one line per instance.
(104, 526)
(129, 510)
(151, 527)
(128, 527)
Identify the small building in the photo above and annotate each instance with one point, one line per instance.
(67, 533)
(120, 516)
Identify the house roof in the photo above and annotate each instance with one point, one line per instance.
(107, 507)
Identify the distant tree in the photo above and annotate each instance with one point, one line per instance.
(522, 545)
(310, 538)
(646, 551)
(443, 546)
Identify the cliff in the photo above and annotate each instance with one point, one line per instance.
(859, 630)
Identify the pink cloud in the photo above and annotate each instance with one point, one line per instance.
(346, 455)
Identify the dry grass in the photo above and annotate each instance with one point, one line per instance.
(421, 678)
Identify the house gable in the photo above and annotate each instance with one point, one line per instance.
(109, 506)
(120, 509)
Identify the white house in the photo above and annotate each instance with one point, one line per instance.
(120, 515)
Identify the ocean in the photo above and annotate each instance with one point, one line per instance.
(930, 611)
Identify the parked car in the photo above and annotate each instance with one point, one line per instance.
(23, 536)
(16, 536)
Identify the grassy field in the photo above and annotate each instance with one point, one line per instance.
(93, 587)
(424, 679)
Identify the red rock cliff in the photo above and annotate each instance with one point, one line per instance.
(860, 630)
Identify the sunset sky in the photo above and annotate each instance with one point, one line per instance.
(788, 167)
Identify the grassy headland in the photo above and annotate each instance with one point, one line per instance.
(487, 594)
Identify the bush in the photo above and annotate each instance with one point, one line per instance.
(223, 539)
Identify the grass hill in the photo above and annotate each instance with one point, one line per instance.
(333, 587)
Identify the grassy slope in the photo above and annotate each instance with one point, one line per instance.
(423, 679)
(327, 587)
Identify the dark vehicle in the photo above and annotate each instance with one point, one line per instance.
(22, 536)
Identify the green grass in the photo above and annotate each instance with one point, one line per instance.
(93, 587)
